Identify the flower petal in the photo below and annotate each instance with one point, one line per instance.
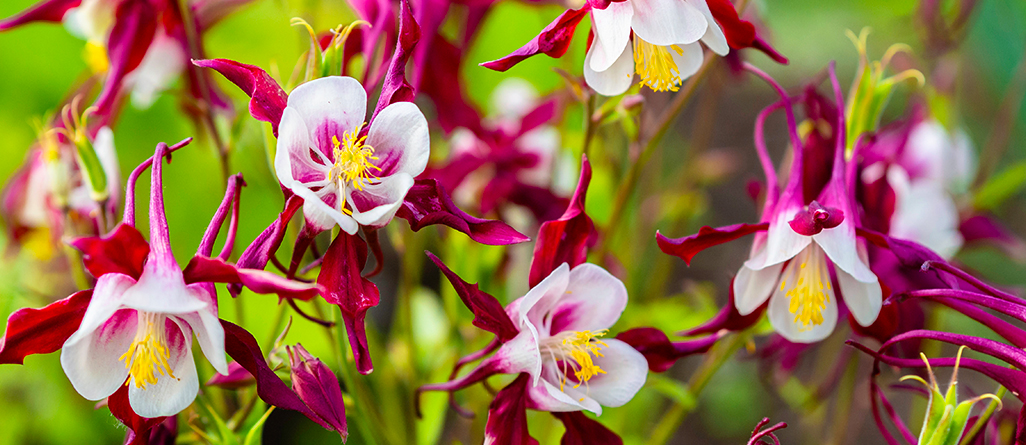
(713, 37)
(552, 41)
(507, 416)
(626, 371)
(208, 330)
(427, 203)
(107, 299)
(267, 101)
(161, 291)
(377, 204)
(863, 299)
(753, 287)
(42, 331)
(785, 323)
(566, 239)
(840, 246)
(92, 362)
(594, 300)
(534, 307)
(294, 157)
(782, 242)
(170, 395)
(612, 28)
(689, 60)
(399, 135)
(320, 212)
(488, 312)
(329, 106)
(616, 79)
(667, 22)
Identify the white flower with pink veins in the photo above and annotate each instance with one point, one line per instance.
(345, 174)
(664, 49)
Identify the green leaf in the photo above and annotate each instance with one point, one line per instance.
(1001, 187)
(253, 436)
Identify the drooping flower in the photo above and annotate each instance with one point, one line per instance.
(657, 39)
(129, 339)
(342, 172)
(141, 46)
(806, 241)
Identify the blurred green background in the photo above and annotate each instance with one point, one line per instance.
(41, 62)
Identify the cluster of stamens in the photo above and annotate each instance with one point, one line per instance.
(655, 65)
(574, 351)
(809, 289)
(354, 162)
(148, 354)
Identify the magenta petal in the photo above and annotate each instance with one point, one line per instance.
(135, 24)
(241, 346)
(123, 250)
(488, 312)
(660, 352)
(507, 415)
(815, 218)
(44, 11)
(686, 248)
(444, 86)
(238, 377)
(318, 386)
(267, 99)
(202, 269)
(566, 239)
(552, 41)
(984, 229)
(395, 87)
(44, 330)
(583, 430)
(164, 433)
(427, 203)
(728, 318)
(346, 288)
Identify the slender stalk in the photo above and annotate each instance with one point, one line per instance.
(589, 124)
(630, 180)
(714, 360)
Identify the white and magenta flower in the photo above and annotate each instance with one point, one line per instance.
(807, 240)
(348, 174)
(657, 39)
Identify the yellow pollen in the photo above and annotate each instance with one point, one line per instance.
(655, 65)
(806, 282)
(148, 354)
(353, 163)
(95, 55)
(574, 350)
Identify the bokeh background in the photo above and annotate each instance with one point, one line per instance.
(697, 177)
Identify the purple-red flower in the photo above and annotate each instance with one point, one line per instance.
(317, 385)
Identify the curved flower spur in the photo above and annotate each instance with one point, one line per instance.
(129, 339)
(657, 39)
(790, 264)
(553, 337)
(343, 171)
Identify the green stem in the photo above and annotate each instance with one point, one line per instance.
(589, 124)
(714, 360)
(367, 423)
(630, 180)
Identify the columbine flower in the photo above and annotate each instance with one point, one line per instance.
(345, 174)
(657, 39)
(790, 266)
(130, 338)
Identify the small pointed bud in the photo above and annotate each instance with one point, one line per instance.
(318, 387)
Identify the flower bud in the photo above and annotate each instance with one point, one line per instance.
(318, 387)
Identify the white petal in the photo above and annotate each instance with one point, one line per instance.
(667, 22)
(163, 291)
(314, 208)
(107, 297)
(783, 320)
(839, 245)
(385, 197)
(615, 80)
(925, 213)
(164, 61)
(626, 371)
(93, 362)
(689, 60)
(594, 300)
(863, 299)
(170, 395)
(782, 242)
(612, 27)
(535, 305)
(521, 354)
(753, 287)
(399, 135)
(209, 334)
(552, 396)
(292, 157)
(336, 99)
(713, 37)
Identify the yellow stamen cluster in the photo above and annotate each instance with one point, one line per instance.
(148, 354)
(574, 352)
(354, 162)
(809, 290)
(655, 65)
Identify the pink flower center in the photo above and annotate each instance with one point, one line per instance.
(148, 354)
